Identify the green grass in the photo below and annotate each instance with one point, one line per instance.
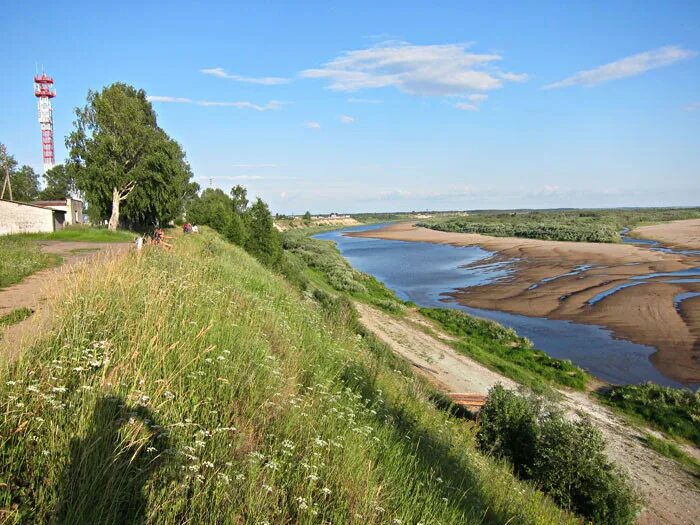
(671, 410)
(501, 349)
(671, 451)
(15, 316)
(165, 395)
(329, 266)
(560, 225)
(20, 257)
(85, 234)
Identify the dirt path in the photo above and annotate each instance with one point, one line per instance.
(670, 494)
(33, 291)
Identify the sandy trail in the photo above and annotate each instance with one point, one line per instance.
(33, 291)
(644, 314)
(677, 234)
(670, 494)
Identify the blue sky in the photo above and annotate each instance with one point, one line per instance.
(381, 106)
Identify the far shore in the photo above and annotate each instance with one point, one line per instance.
(643, 314)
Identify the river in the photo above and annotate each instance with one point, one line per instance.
(426, 273)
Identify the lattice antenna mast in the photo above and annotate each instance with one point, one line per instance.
(44, 91)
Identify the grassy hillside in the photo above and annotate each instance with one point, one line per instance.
(560, 225)
(196, 386)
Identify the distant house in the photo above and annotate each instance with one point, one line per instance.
(72, 207)
(21, 217)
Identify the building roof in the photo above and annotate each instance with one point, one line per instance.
(32, 205)
(50, 203)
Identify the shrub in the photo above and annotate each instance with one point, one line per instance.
(565, 459)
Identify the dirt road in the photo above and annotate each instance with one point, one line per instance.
(670, 494)
(34, 289)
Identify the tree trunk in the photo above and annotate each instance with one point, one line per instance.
(114, 219)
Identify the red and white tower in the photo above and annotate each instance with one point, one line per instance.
(44, 91)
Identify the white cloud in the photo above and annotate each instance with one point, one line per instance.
(430, 70)
(267, 81)
(693, 107)
(354, 100)
(626, 67)
(473, 102)
(346, 119)
(271, 105)
(313, 125)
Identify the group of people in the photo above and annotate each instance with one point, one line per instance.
(158, 239)
(189, 228)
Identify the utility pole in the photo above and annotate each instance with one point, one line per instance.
(7, 183)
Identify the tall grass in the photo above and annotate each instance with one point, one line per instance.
(502, 349)
(20, 257)
(672, 410)
(194, 386)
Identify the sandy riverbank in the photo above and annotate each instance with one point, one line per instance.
(644, 314)
(677, 234)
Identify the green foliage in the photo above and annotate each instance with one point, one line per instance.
(20, 256)
(334, 269)
(227, 397)
(118, 153)
(672, 410)
(15, 316)
(565, 459)
(24, 181)
(263, 240)
(559, 225)
(249, 227)
(307, 217)
(501, 348)
(58, 184)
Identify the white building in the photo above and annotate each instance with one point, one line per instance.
(20, 217)
(72, 207)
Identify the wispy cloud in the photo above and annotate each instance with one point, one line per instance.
(693, 107)
(626, 67)
(473, 102)
(271, 105)
(346, 119)
(313, 125)
(354, 100)
(267, 81)
(429, 70)
(253, 166)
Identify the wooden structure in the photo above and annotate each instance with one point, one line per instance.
(471, 401)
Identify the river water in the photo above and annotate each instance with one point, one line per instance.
(425, 273)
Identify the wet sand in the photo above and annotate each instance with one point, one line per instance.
(677, 234)
(643, 313)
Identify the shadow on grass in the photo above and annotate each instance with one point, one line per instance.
(462, 484)
(104, 481)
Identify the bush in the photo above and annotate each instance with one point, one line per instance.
(565, 459)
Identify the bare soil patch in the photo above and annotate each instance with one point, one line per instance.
(677, 234)
(33, 291)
